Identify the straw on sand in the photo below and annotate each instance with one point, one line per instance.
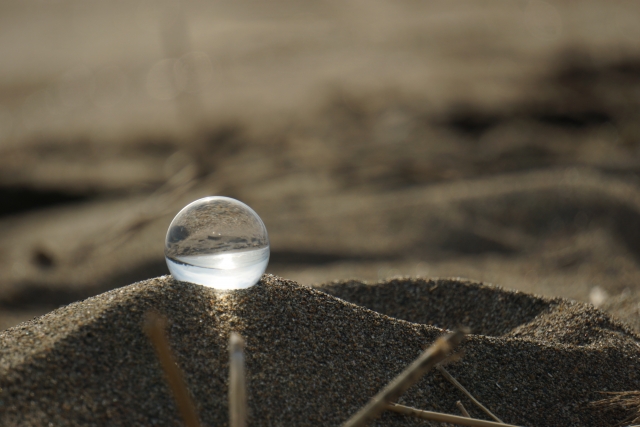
(154, 326)
(237, 387)
(626, 401)
(427, 360)
(445, 418)
(462, 409)
(459, 386)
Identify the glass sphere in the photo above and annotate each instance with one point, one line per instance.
(217, 242)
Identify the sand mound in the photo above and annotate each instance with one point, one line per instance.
(313, 358)
(486, 310)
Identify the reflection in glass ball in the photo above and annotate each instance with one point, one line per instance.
(217, 242)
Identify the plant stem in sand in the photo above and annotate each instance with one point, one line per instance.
(427, 360)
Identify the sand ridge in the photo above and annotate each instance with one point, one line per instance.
(312, 358)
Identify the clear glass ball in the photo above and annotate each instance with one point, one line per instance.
(218, 242)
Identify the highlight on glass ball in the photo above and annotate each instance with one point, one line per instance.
(218, 242)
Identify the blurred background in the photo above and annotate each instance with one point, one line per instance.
(493, 140)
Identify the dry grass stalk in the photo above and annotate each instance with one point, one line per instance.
(237, 387)
(455, 382)
(626, 401)
(154, 326)
(444, 418)
(462, 409)
(427, 360)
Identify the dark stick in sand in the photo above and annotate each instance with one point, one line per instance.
(444, 418)
(154, 326)
(237, 390)
(427, 360)
(462, 409)
(455, 382)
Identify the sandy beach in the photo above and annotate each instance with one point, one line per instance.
(313, 358)
(494, 141)
(383, 145)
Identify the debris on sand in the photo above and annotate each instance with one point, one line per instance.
(313, 358)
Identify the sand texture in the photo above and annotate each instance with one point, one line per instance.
(314, 358)
(497, 141)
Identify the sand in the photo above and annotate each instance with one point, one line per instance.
(314, 357)
(537, 191)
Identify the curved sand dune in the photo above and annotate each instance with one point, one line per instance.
(314, 358)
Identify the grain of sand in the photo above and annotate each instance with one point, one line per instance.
(314, 356)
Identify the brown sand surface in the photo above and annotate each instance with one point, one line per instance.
(492, 140)
(313, 358)
(496, 141)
